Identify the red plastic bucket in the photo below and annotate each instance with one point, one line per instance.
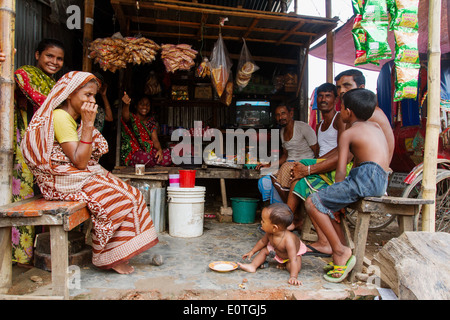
(187, 178)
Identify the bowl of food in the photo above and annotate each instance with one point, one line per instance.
(223, 266)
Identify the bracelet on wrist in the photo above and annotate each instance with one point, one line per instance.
(309, 170)
(85, 142)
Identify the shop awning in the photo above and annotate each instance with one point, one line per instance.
(344, 48)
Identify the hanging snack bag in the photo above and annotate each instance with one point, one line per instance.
(406, 80)
(406, 49)
(375, 23)
(405, 14)
(246, 67)
(404, 22)
(220, 66)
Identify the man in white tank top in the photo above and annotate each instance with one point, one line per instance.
(331, 125)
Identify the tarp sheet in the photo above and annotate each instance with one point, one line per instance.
(344, 48)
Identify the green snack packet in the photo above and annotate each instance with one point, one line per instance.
(377, 46)
(406, 80)
(406, 49)
(375, 11)
(358, 6)
(406, 14)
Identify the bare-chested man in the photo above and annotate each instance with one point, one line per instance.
(345, 81)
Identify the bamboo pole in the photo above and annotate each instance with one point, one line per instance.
(330, 45)
(432, 129)
(7, 26)
(88, 33)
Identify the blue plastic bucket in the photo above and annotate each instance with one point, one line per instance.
(244, 209)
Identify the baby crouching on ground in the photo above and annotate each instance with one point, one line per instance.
(278, 242)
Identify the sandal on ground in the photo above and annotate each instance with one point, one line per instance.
(342, 270)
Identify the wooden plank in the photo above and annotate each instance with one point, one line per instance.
(60, 261)
(399, 200)
(37, 206)
(44, 220)
(76, 218)
(5, 259)
(360, 238)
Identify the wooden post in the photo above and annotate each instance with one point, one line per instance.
(88, 33)
(7, 27)
(433, 126)
(330, 45)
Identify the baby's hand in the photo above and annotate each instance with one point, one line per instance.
(294, 281)
(248, 255)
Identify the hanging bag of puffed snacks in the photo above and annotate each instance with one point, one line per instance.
(404, 22)
(220, 65)
(370, 30)
(246, 67)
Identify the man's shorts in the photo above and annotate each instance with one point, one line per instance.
(367, 180)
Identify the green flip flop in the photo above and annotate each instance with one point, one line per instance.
(343, 270)
(328, 267)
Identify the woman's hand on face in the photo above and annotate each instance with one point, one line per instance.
(88, 113)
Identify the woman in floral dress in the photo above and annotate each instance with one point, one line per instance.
(33, 84)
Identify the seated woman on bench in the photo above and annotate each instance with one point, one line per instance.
(63, 156)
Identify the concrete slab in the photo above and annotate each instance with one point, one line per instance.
(185, 273)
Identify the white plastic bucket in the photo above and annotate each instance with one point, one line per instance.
(186, 211)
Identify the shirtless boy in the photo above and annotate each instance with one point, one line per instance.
(369, 176)
(278, 241)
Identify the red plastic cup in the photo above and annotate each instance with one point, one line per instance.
(187, 178)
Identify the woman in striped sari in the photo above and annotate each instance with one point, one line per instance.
(63, 156)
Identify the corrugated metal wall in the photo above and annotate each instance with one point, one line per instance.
(32, 25)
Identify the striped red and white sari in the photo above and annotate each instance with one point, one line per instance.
(122, 227)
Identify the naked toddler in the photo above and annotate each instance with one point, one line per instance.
(286, 246)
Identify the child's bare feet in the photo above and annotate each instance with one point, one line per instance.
(247, 267)
(123, 268)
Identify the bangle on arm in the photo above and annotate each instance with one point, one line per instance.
(309, 170)
(85, 142)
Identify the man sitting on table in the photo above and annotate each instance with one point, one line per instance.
(299, 141)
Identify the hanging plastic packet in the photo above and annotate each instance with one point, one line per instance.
(406, 80)
(405, 14)
(246, 67)
(406, 49)
(220, 66)
(369, 32)
(375, 23)
(404, 22)
(377, 46)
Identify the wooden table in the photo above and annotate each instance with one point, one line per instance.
(159, 176)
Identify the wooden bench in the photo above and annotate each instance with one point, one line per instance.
(404, 208)
(61, 216)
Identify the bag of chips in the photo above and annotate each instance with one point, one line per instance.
(406, 80)
(404, 22)
(370, 28)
